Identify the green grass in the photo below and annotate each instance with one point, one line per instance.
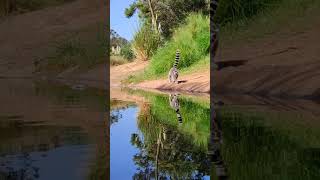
(85, 49)
(202, 64)
(241, 21)
(23, 6)
(269, 145)
(192, 39)
(272, 18)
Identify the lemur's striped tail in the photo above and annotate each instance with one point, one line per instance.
(176, 61)
(179, 116)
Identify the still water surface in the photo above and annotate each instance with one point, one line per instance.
(278, 140)
(165, 136)
(51, 132)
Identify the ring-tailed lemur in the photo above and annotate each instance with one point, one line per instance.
(174, 103)
(173, 73)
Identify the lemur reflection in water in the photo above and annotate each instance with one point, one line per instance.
(214, 151)
(174, 103)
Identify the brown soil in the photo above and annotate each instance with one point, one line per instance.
(121, 72)
(198, 82)
(26, 37)
(285, 64)
(281, 64)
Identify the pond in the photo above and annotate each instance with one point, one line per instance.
(51, 132)
(164, 136)
(153, 137)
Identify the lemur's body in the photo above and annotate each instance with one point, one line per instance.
(173, 73)
(174, 103)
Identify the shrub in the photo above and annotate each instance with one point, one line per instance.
(193, 41)
(117, 60)
(238, 10)
(145, 42)
(127, 52)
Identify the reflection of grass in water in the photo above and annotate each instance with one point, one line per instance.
(118, 104)
(178, 155)
(195, 114)
(262, 146)
(64, 94)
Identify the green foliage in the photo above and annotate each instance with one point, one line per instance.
(127, 52)
(145, 42)
(78, 49)
(22, 6)
(236, 10)
(116, 39)
(196, 123)
(278, 15)
(177, 142)
(192, 39)
(170, 13)
(260, 145)
(129, 12)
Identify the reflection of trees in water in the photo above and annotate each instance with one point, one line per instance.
(215, 147)
(25, 171)
(116, 108)
(165, 153)
(259, 147)
(115, 116)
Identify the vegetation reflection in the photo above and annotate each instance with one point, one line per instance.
(165, 149)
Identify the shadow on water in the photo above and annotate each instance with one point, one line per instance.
(165, 140)
(50, 131)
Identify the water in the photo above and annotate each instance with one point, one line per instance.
(264, 139)
(151, 138)
(51, 132)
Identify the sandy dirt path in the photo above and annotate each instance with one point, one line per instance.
(27, 37)
(198, 82)
(121, 72)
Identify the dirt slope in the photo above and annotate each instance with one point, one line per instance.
(284, 65)
(25, 37)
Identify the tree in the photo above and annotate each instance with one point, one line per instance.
(165, 15)
(116, 39)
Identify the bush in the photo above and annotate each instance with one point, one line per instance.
(193, 41)
(22, 6)
(78, 49)
(117, 60)
(145, 42)
(126, 52)
(236, 10)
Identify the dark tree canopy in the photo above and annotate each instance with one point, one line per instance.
(116, 39)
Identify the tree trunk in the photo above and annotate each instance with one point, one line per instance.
(153, 17)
